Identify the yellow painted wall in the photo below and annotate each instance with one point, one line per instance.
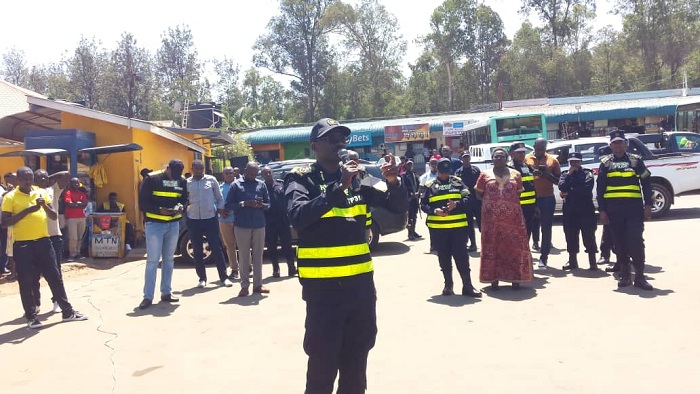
(10, 164)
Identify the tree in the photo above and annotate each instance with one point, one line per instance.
(452, 36)
(86, 69)
(490, 44)
(296, 45)
(177, 65)
(14, 67)
(226, 90)
(558, 15)
(523, 63)
(607, 73)
(372, 39)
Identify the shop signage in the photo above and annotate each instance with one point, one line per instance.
(360, 138)
(406, 133)
(455, 129)
(105, 245)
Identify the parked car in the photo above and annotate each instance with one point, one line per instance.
(384, 222)
(672, 174)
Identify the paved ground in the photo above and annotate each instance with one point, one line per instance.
(564, 333)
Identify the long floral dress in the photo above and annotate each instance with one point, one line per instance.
(505, 253)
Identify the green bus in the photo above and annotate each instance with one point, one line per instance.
(502, 128)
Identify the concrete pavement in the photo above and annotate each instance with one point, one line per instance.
(563, 333)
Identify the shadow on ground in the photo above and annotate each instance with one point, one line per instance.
(251, 300)
(161, 309)
(390, 249)
(456, 300)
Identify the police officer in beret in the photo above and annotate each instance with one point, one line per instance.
(446, 201)
(624, 202)
(576, 187)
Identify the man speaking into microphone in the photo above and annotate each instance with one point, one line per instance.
(329, 208)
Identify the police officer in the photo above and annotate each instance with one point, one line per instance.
(528, 196)
(446, 201)
(329, 211)
(410, 179)
(469, 174)
(624, 201)
(576, 186)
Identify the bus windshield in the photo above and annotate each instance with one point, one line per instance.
(525, 128)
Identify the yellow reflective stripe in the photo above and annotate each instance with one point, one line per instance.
(331, 252)
(621, 174)
(622, 195)
(162, 217)
(527, 178)
(166, 194)
(335, 272)
(447, 225)
(527, 202)
(629, 187)
(527, 194)
(353, 211)
(448, 217)
(445, 197)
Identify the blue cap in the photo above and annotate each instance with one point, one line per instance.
(323, 126)
(444, 165)
(617, 135)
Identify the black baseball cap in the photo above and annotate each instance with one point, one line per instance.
(518, 147)
(325, 125)
(617, 135)
(465, 153)
(444, 165)
(575, 156)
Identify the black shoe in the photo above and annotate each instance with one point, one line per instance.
(515, 286)
(145, 303)
(234, 275)
(624, 282)
(276, 273)
(535, 246)
(643, 284)
(472, 248)
(168, 298)
(447, 291)
(570, 266)
(614, 268)
(494, 285)
(470, 291)
(415, 234)
(604, 260)
(411, 237)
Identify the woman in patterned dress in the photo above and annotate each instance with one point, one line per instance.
(505, 254)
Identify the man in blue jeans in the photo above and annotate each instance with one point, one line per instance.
(547, 173)
(205, 201)
(162, 198)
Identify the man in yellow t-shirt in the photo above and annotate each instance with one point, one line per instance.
(27, 209)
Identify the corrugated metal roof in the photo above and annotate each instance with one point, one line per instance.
(588, 108)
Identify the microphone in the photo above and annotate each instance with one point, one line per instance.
(344, 155)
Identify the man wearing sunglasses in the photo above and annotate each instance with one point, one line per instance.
(334, 263)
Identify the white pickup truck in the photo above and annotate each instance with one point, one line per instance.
(672, 174)
(481, 154)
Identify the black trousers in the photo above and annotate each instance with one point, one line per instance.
(449, 244)
(606, 242)
(580, 222)
(413, 207)
(529, 215)
(57, 245)
(341, 329)
(209, 228)
(627, 227)
(34, 258)
(281, 231)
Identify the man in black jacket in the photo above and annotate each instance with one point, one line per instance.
(410, 179)
(469, 174)
(277, 225)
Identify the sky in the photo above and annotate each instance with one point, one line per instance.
(46, 30)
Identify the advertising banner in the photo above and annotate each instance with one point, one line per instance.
(455, 129)
(407, 133)
(360, 138)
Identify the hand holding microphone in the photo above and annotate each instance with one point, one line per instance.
(350, 170)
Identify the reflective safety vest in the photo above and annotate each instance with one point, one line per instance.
(339, 247)
(528, 195)
(439, 193)
(166, 193)
(622, 180)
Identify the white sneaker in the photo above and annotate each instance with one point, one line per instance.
(34, 324)
(128, 247)
(56, 307)
(227, 283)
(202, 283)
(541, 265)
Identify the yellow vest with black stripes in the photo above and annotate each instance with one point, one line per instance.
(166, 194)
(336, 245)
(622, 180)
(438, 194)
(528, 195)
